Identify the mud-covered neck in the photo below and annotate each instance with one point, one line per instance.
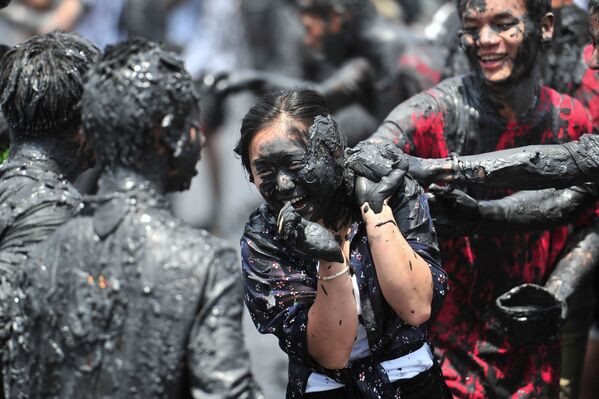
(513, 100)
(45, 155)
(121, 179)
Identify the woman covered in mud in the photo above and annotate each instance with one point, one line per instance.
(343, 271)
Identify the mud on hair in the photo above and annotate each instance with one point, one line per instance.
(536, 8)
(300, 105)
(41, 83)
(137, 91)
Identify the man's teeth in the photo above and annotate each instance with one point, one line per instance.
(296, 200)
(494, 57)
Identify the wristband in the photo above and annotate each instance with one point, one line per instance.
(334, 276)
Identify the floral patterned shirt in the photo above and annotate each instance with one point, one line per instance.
(280, 287)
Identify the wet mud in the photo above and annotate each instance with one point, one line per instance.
(467, 116)
(124, 300)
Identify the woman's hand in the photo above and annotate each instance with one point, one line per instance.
(307, 237)
(375, 194)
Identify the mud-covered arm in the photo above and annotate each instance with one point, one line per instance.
(353, 82)
(530, 167)
(456, 213)
(219, 364)
(417, 125)
(579, 262)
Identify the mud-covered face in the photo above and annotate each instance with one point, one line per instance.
(315, 29)
(594, 33)
(322, 35)
(500, 39)
(287, 166)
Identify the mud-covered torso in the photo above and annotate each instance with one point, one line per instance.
(34, 201)
(111, 301)
(453, 117)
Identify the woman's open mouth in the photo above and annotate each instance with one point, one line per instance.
(491, 61)
(299, 202)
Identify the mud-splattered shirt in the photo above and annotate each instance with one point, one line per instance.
(588, 89)
(281, 285)
(125, 301)
(34, 201)
(478, 360)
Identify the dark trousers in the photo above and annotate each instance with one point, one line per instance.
(427, 385)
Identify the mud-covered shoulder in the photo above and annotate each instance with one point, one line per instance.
(418, 124)
(172, 242)
(26, 186)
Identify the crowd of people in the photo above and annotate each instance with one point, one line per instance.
(427, 171)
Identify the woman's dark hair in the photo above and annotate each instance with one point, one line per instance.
(536, 8)
(137, 90)
(299, 105)
(593, 6)
(4, 3)
(41, 84)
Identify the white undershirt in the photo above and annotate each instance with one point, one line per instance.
(401, 368)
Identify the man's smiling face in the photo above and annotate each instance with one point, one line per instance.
(500, 39)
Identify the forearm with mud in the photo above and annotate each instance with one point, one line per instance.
(343, 88)
(533, 210)
(404, 277)
(578, 264)
(333, 318)
(524, 168)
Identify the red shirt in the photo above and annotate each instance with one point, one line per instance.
(588, 91)
(479, 361)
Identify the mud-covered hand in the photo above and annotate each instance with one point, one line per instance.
(373, 160)
(454, 212)
(458, 201)
(227, 83)
(307, 237)
(375, 194)
(428, 171)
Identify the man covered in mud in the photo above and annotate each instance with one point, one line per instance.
(41, 83)
(500, 104)
(562, 68)
(556, 166)
(125, 301)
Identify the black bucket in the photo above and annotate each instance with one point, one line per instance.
(530, 314)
